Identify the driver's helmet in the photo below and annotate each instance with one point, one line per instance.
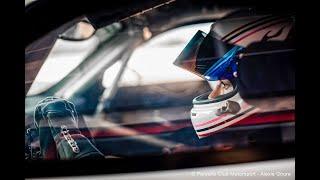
(214, 57)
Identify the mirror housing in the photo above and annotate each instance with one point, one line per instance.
(80, 31)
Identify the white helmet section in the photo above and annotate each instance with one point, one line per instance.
(243, 31)
(206, 118)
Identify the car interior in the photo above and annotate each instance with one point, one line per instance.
(134, 103)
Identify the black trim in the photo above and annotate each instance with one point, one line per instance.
(203, 98)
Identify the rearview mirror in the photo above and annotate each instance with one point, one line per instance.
(81, 31)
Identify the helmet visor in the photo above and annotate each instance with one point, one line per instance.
(208, 57)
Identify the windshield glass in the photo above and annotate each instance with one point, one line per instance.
(66, 55)
(120, 94)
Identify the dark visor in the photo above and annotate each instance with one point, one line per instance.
(208, 57)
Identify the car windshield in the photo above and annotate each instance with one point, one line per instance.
(119, 94)
(66, 55)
